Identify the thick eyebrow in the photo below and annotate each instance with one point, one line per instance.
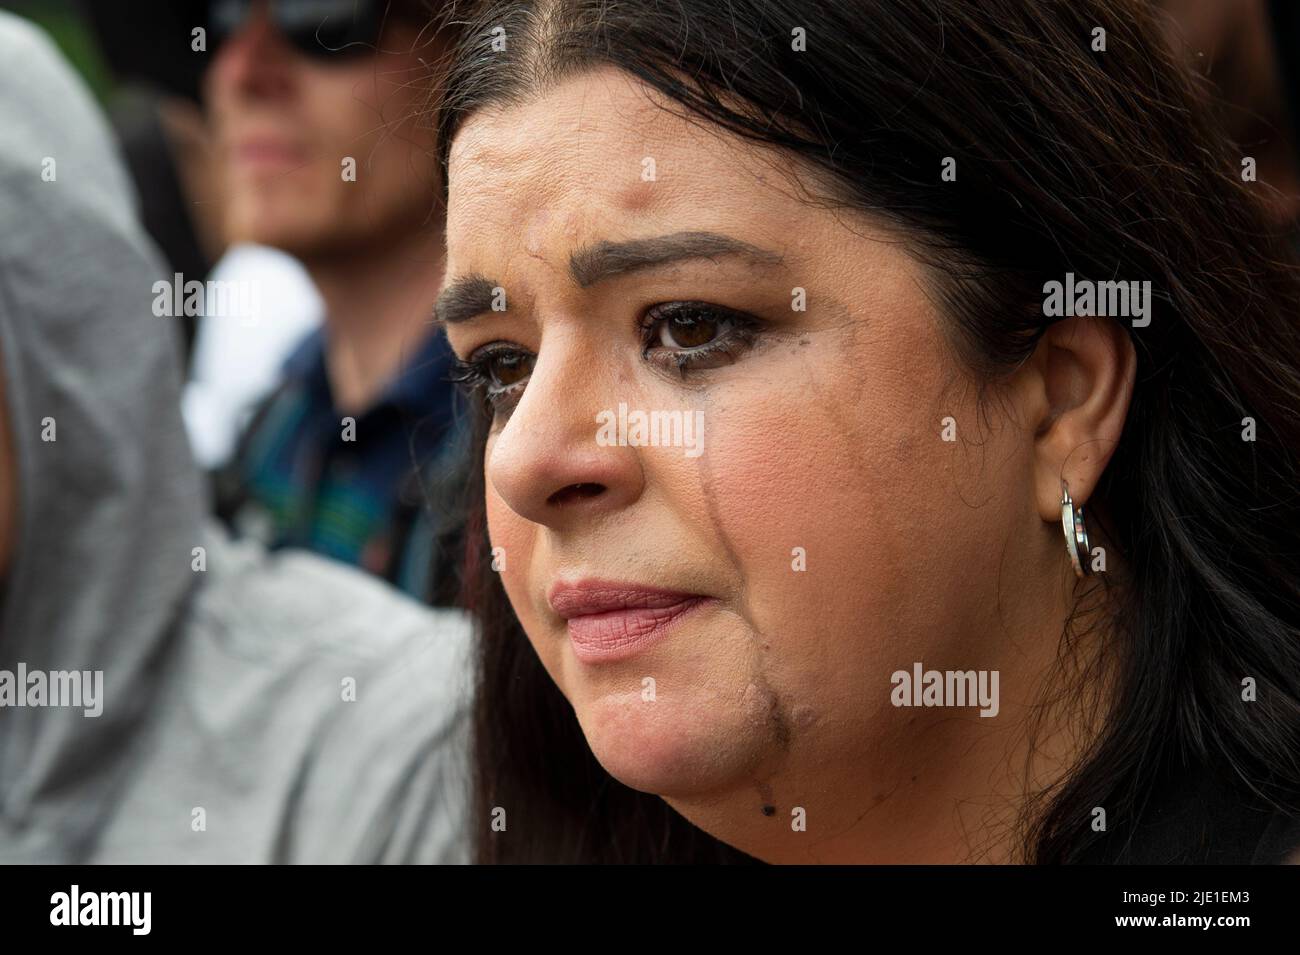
(463, 299)
(472, 294)
(604, 259)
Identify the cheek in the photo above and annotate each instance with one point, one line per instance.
(513, 541)
(511, 537)
(337, 121)
(827, 485)
(339, 104)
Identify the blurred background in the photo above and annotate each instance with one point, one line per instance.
(137, 58)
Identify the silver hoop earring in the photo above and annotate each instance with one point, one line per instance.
(1076, 533)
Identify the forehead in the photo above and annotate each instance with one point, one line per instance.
(599, 154)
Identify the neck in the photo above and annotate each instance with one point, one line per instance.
(378, 310)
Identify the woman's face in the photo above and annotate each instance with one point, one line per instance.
(811, 499)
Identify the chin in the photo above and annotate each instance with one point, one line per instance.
(671, 747)
(275, 222)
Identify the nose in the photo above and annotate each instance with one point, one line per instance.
(254, 62)
(546, 464)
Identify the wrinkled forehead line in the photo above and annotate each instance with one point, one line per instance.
(542, 133)
(598, 103)
(545, 163)
(518, 182)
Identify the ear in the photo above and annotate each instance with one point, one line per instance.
(1081, 379)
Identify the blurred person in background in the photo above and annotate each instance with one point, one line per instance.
(145, 62)
(321, 401)
(315, 107)
(168, 694)
(235, 360)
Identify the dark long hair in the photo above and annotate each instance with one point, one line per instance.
(1068, 159)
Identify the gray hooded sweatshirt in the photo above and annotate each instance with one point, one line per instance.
(254, 707)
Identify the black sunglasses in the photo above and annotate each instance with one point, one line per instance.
(322, 29)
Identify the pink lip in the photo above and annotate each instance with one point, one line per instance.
(267, 152)
(610, 621)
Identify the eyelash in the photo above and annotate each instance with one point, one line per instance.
(741, 332)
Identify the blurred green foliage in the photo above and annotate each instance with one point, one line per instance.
(64, 22)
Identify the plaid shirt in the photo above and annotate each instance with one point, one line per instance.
(385, 498)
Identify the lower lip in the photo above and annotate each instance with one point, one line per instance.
(618, 634)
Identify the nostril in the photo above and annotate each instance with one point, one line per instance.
(574, 492)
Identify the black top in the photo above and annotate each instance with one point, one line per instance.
(1198, 818)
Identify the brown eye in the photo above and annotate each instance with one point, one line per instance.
(689, 328)
(682, 336)
(509, 368)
